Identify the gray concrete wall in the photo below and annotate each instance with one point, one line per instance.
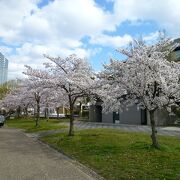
(107, 118)
(162, 118)
(131, 116)
(95, 113)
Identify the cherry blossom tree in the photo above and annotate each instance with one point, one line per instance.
(9, 103)
(52, 100)
(17, 100)
(71, 77)
(39, 94)
(28, 93)
(146, 78)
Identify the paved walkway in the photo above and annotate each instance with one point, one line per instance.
(167, 131)
(24, 158)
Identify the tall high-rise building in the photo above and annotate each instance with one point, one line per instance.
(3, 69)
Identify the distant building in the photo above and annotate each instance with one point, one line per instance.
(177, 50)
(3, 69)
(132, 116)
(175, 55)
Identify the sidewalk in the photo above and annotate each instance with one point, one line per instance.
(166, 131)
(24, 158)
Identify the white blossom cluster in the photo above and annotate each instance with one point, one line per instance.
(27, 94)
(146, 78)
(70, 77)
(61, 83)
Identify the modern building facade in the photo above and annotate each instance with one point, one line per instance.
(132, 116)
(175, 55)
(3, 69)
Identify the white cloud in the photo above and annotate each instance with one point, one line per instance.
(59, 21)
(112, 41)
(165, 13)
(15, 70)
(83, 17)
(57, 28)
(12, 15)
(151, 37)
(5, 49)
(32, 55)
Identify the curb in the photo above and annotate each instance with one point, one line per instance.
(87, 170)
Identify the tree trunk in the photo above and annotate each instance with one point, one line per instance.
(38, 112)
(154, 131)
(26, 112)
(47, 112)
(57, 111)
(80, 109)
(71, 127)
(18, 111)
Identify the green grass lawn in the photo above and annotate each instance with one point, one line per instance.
(28, 124)
(121, 155)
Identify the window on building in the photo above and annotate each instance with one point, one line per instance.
(178, 53)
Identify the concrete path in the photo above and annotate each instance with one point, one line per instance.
(131, 128)
(24, 158)
(80, 125)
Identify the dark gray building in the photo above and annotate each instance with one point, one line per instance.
(132, 116)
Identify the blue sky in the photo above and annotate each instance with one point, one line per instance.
(93, 29)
